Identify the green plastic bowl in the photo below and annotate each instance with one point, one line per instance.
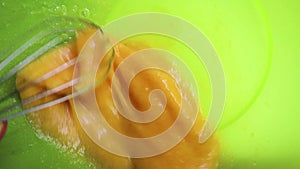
(258, 46)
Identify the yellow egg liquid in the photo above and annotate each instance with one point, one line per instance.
(61, 124)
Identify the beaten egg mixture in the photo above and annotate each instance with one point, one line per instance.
(60, 122)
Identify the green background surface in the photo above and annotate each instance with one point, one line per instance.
(257, 42)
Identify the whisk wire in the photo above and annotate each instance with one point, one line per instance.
(57, 32)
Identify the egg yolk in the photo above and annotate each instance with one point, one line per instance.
(60, 123)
